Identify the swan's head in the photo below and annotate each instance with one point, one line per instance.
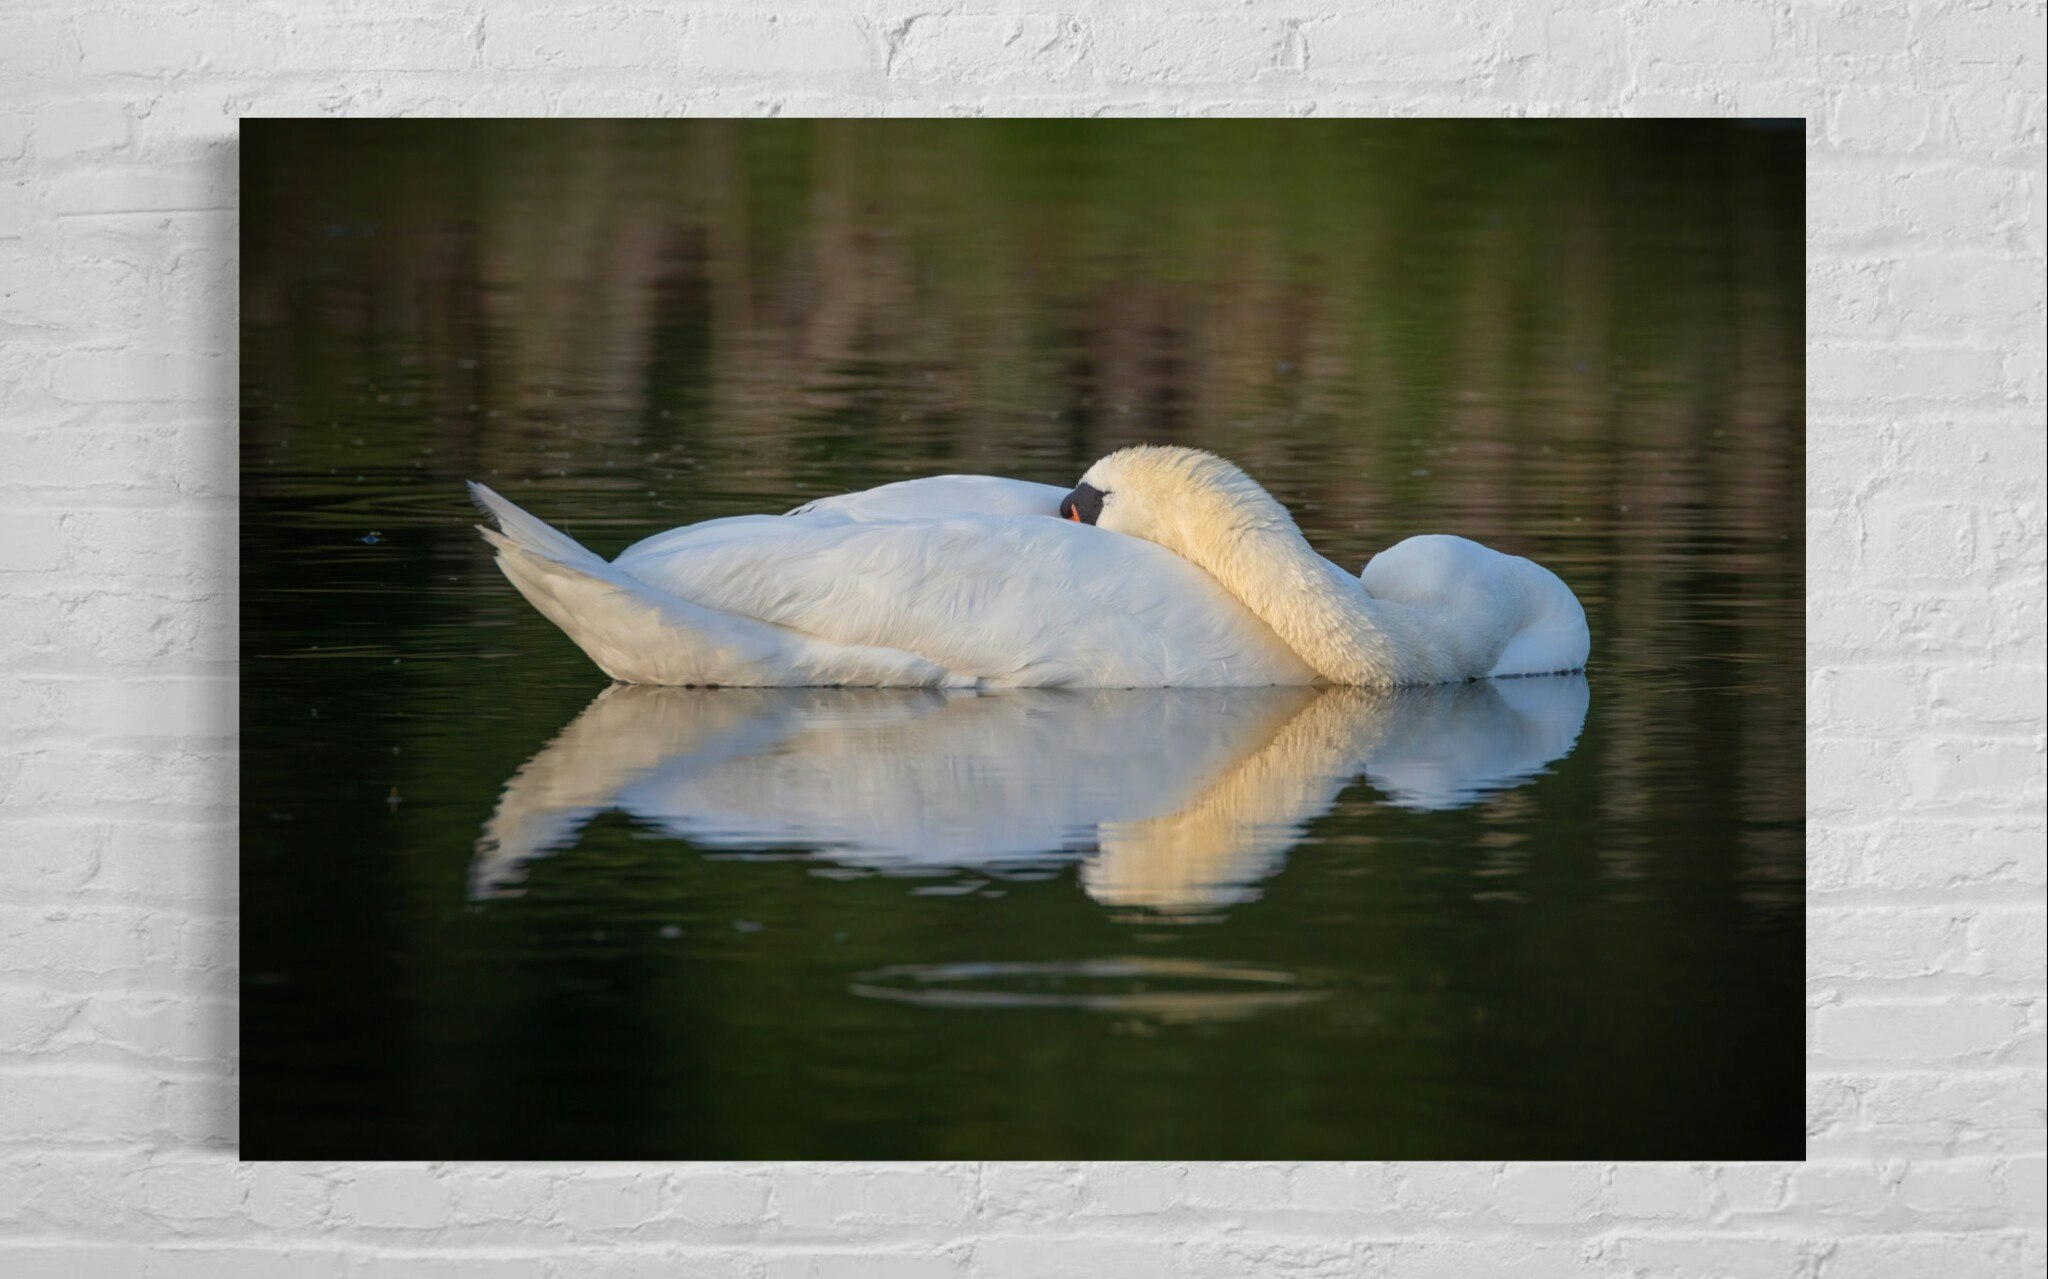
(1178, 497)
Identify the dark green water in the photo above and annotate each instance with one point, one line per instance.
(491, 909)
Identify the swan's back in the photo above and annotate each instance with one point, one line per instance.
(1010, 599)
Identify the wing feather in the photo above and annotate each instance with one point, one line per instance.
(1012, 599)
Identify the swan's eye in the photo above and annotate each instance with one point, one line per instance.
(1083, 505)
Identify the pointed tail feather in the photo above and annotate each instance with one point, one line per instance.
(530, 533)
(643, 635)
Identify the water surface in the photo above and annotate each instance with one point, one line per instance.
(495, 907)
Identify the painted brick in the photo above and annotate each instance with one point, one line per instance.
(118, 1092)
(382, 1196)
(951, 47)
(1231, 48)
(1915, 1032)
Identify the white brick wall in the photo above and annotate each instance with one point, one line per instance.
(117, 878)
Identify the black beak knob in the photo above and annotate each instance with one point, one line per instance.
(1083, 505)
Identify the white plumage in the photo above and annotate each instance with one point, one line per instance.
(1193, 577)
(1178, 800)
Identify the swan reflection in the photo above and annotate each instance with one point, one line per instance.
(1177, 800)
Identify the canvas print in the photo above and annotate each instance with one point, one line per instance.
(1024, 639)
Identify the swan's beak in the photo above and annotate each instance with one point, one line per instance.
(1083, 505)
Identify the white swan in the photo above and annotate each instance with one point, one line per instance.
(1190, 576)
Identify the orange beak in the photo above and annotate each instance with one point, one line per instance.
(1074, 515)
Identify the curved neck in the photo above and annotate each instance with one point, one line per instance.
(1321, 612)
